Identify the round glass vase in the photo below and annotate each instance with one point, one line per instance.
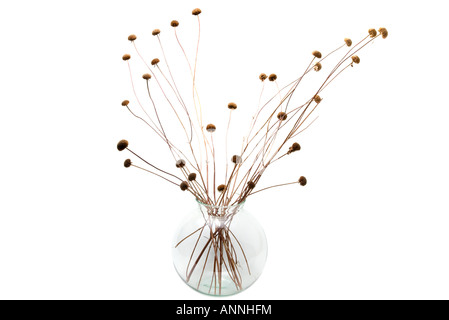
(220, 250)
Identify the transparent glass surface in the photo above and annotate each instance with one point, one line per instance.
(219, 250)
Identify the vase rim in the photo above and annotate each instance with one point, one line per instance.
(220, 207)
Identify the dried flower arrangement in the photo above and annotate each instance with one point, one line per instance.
(268, 140)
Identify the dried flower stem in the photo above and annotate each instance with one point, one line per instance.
(215, 171)
(177, 93)
(226, 145)
(195, 94)
(133, 165)
(138, 101)
(182, 104)
(167, 173)
(275, 186)
(185, 107)
(254, 118)
(196, 59)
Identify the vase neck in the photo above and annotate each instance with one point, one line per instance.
(220, 211)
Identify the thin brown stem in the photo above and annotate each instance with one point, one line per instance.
(154, 174)
(188, 236)
(275, 186)
(153, 165)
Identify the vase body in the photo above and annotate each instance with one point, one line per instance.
(219, 250)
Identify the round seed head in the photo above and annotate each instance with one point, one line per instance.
(221, 188)
(355, 59)
(296, 146)
(251, 185)
(192, 176)
(174, 23)
(236, 159)
(122, 145)
(127, 163)
(282, 116)
(210, 128)
(184, 185)
(348, 42)
(272, 77)
(126, 57)
(383, 32)
(317, 66)
(146, 76)
(156, 32)
(317, 99)
(125, 103)
(196, 11)
(263, 77)
(302, 181)
(232, 106)
(132, 37)
(316, 54)
(372, 33)
(155, 61)
(180, 163)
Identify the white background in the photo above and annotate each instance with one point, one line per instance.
(371, 224)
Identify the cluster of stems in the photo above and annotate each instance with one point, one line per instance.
(222, 246)
(269, 138)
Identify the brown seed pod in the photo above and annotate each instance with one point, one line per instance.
(251, 185)
(156, 32)
(221, 188)
(282, 116)
(317, 99)
(126, 57)
(184, 185)
(125, 103)
(383, 32)
(316, 54)
(296, 146)
(348, 42)
(263, 77)
(232, 106)
(180, 163)
(155, 61)
(272, 77)
(127, 163)
(174, 23)
(355, 59)
(302, 181)
(210, 128)
(132, 37)
(236, 159)
(317, 66)
(192, 176)
(196, 11)
(372, 33)
(122, 145)
(146, 76)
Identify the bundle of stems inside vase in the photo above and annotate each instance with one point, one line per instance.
(225, 249)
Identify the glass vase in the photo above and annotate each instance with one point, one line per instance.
(219, 250)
